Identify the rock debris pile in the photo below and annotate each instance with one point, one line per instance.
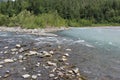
(37, 63)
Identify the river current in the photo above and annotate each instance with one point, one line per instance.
(96, 51)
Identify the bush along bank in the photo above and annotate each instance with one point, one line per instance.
(25, 19)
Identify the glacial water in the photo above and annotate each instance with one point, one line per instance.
(97, 51)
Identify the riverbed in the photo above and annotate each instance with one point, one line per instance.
(94, 51)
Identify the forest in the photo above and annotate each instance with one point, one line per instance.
(59, 13)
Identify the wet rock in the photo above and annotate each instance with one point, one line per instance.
(38, 74)
(70, 71)
(21, 50)
(31, 53)
(68, 50)
(40, 55)
(20, 57)
(66, 54)
(76, 70)
(14, 49)
(18, 45)
(7, 74)
(24, 68)
(60, 74)
(8, 60)
(1, 66)
(38, 64)
(46, 54)
(51, 75)
(14, 59)
(55, 78)
(5, 52)
(6, 47)
(51, 52)
(63, 59)
(53, 70)
(51, 63)
(46, 67)
(26, 76)
(34, 76)
(59, 47)
(20, 61)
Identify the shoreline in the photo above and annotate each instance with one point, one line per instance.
(28, 59)
(39, 31)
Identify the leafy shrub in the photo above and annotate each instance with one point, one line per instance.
(27, 20)
(73, 23)
(85, 22)
(115, 19)
(3, 19)
(51, 19)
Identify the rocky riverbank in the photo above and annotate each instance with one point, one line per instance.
(29, 60)
(25, 61)
(33, 31)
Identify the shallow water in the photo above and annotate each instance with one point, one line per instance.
(97, 51)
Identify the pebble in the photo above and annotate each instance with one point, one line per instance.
(63, 58)
(21, 49)
(6, 47)
(68, 50)
(8, 60)
(13, 50)
(14, 59)
(38, 64)
(39, 74)
(46, 54)
(1, 66)
(34, 76)
(24, 68)
(5, 52)
(20, 57)
(26, 76)
(51, 63)
(76, 70)
(40, 55)
(60, 74)
(18, 45)
(46, 67)
(51, 52)
(59, 47)
(51, 75)
(66, 54)
(32, 52)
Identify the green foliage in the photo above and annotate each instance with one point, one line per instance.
(26, 19)
(78, 23)
(3, 20)
(51, 19)
(42, 13)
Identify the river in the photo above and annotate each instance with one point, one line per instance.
(99, 54)
(96, 51)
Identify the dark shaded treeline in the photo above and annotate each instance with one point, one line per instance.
(97, 11)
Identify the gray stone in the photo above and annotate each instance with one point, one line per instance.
(34, 76)
(51, 63)
(26, 76)
(18, 45)
(1, 66)
(51, 75)
(8, 60)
